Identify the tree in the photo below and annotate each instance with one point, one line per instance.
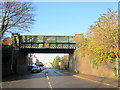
(56, 61)
(82, 46)
(15, 16)
(103, 38)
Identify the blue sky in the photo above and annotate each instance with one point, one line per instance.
(66, 18)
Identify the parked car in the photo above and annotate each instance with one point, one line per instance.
(36, 69)
(41, 67)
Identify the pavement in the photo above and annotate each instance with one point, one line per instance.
(107, 81)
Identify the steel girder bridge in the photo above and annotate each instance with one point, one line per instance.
(47, 42)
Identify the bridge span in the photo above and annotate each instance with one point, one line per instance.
(47, 44)
(43, 44)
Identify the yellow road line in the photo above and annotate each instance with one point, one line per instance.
(94, 80)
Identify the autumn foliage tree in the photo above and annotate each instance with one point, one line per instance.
(103, 38)
(15, 17)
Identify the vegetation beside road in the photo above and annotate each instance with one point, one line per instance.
(101, 42)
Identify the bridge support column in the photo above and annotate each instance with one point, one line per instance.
(22, 61)
(73, 56)
(71, 61)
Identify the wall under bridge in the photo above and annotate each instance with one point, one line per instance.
(22, 61)
(13, 61)
(7, 61)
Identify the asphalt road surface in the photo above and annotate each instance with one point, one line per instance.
(51, 78)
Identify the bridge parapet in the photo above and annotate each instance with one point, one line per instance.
(53, 42)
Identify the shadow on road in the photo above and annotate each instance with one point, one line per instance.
(42, 74)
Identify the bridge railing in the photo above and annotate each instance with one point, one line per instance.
(47, 42)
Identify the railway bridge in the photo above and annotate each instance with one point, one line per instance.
(26, 44)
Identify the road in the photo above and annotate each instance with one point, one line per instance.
(51, 78)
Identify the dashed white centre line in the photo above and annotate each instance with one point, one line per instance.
(49, 81)
(47, 77)
(50, 85)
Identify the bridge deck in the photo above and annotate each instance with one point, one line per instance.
(52, 42)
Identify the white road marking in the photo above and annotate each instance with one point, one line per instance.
(46, 74)
(47, 77)
(49, 81)
(50, 85)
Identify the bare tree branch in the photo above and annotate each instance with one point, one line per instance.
(16, 16)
